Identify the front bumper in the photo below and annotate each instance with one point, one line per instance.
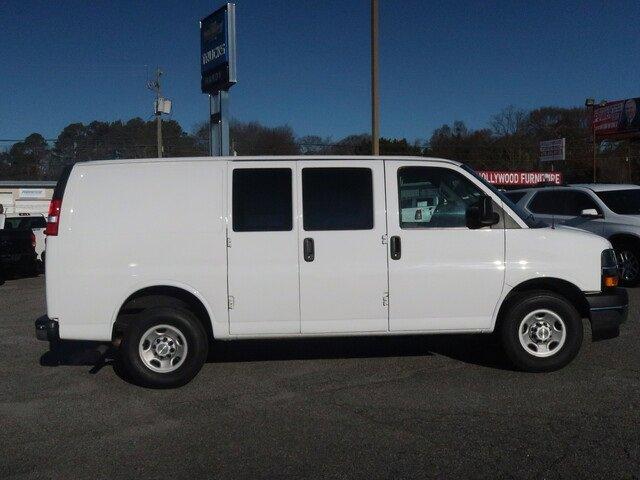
(47, 329)
(607, 311)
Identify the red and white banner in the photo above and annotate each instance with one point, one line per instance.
(524, 179)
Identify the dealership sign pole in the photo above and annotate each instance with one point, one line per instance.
(218, 72)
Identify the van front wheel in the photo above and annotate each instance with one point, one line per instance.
(164, 347)
(541, 331)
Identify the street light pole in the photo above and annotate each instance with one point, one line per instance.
(590, 102)
(375, 100)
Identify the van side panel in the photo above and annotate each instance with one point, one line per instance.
(128, 226)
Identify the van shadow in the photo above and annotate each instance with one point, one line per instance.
(78, 353)
(481, 350)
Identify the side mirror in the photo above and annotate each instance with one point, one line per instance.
(590, 213)
(481, 213)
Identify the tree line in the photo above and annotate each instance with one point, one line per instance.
(509, 142)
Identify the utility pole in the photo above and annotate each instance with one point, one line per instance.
(155, 86)
(375, 100)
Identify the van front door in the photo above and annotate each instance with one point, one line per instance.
(443, 276)
(343, 261)
(263, 249)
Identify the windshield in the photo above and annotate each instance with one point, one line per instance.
(624, 202)
(527, 218)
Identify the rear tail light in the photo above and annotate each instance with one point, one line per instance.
(53, 220)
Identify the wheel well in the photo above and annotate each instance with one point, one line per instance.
(160, 296)
(624, 237)
(562, 287)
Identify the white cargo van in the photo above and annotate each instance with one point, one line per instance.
(300, 246)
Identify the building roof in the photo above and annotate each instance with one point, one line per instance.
(27, 184)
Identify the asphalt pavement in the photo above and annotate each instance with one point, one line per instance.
(403, 407)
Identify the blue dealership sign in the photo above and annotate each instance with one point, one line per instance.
(218, 50)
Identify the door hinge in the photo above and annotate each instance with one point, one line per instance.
(385, 239)
(230, 302)
(228, 242)
(385, 299)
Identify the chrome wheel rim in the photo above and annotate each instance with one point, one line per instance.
(629, 265)
(542, 333)
(163, 348)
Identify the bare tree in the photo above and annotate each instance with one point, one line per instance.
(509, 121)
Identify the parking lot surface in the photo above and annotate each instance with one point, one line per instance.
(403, 407)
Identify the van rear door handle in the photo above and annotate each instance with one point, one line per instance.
(309, 250)
(395, 247)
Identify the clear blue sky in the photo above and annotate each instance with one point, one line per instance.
(306, 62)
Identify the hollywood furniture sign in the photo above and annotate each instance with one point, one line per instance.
(521, 179)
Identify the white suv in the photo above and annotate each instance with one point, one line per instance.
(609, 210)
(302, 246)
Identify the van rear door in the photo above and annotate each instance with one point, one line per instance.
(263, 249)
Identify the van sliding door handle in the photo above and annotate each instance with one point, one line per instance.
(309, 250)
(396, 247)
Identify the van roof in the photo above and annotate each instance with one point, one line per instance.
(267, 158)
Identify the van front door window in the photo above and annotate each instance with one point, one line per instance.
(434, 197)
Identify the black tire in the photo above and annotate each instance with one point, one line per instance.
(193, 334)
(549, 305)
(628, 253)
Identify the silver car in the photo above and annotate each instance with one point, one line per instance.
(609, 210)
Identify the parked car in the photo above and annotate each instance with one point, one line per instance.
(299, 247)
(609, 210)
(17, 253)
(27, 221)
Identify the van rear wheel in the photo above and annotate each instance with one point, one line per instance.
(164, 347)
(541, 331)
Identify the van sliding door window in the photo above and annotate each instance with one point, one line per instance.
(262, 200)
(337, 199)
(433, 197)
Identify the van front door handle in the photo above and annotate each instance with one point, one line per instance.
(396, 248)
(309, 250)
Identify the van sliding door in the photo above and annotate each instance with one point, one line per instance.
(342, 257)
